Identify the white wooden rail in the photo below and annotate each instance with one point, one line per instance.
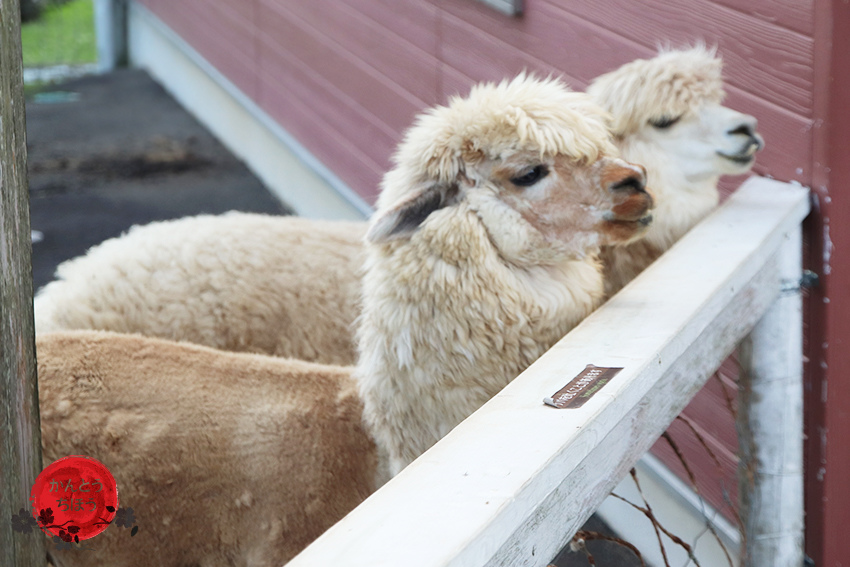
(512, 483)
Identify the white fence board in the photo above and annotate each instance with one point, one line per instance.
(512, 483)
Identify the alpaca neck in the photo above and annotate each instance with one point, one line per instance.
(680, 202)
(443, 330)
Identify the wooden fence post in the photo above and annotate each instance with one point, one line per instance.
(20, 430)
(770, 425)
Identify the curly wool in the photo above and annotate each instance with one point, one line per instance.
(239, 282)
(311, 283)
(449, 318)
(227, 458)
(492, 122)
(466, 321)
(673, 83)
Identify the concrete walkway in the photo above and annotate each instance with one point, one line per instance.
(110, 151)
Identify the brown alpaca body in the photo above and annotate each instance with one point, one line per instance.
(209, 448)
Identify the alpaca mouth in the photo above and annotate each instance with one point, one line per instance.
(622, 232)
(748, 153)
(740, 159)
(639, 224)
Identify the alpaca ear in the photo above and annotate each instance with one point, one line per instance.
(404, 218)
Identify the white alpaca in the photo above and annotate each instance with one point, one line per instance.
(242, 282)
(290, 287)
(668, 117)
(481, 255)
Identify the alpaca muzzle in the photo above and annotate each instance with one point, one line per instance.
(752, 142)
(632, 200)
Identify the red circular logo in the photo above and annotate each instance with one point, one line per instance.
(75, 498)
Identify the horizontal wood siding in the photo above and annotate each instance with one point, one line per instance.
(797, 15)
(381, 61)
(223, 31)
(347, 77)
(484, 44)
(763, 59)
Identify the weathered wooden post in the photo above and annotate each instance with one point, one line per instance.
(770, 424)
(20, 431)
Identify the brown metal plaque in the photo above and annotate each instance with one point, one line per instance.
(582, 387)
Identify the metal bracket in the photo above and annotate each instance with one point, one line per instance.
(808, 280)
(509, 7)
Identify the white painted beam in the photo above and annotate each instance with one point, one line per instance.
(510, 485)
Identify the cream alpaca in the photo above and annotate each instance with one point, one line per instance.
(516, 201)
(243, 282)
(481, 255)
(668, 117)
(299, 295)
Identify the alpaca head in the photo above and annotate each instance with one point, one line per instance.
(530, 160)
(671, 105)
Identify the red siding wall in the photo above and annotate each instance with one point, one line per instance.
(347, 77)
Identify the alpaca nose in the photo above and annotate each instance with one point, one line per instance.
(633, 182)
(746, 127)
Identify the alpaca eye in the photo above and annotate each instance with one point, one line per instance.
(533, 176)
(664, 122)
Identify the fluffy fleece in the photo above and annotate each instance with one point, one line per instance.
(472, 271)
(239, 282)
(668, 117)
(481, 255)
(300, 296)
(226, 458)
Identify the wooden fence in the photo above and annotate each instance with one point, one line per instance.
(513, 483)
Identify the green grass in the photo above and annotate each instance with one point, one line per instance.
(64, 34)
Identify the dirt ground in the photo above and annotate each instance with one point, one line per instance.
(107, 152)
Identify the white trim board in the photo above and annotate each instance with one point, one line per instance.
(287, 169)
